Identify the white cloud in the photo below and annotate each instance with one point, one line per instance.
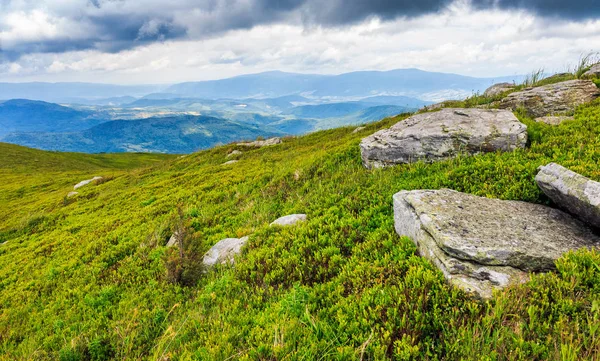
(479, 43)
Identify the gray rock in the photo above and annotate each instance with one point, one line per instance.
(553, 119)
(571, 191)
(290, 220)
(86, 182)
(482, 244)
(231, 162)
(72, 194)
(498, 89)
(444, 134)
(234, 153)
(358, 129)
(554, 99)
(594, 72)
(174, 240)
(224, 251)
(262, 143)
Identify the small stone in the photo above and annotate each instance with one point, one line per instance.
(224, 251)
(553, 119)
(234, 153)
(289, 220)
(231, 162)
(72, 194)
(571, 191)
(174, 240)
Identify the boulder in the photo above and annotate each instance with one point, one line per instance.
(86, 182)
(498, 89)
(593, 72)
(444, 134)
(554, 99)
(224, 251)
(234, 153)
(571, 191)
(553, 119)
(483, 244)
(290, 220)
(231, 162)
(262, 143)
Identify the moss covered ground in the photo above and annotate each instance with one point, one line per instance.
(86, 278)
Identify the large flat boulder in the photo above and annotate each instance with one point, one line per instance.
(554, 99)
(444, 134)
(481, 244)
(224, 251)
(571, 191)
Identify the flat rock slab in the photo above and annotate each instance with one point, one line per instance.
(554, 99)
(86, 182)
(262, 143)
(481, 244)
(289, 220)
(444, 134)
(571, 191)
(224, 251)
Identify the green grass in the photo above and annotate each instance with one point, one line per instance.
(86, 278)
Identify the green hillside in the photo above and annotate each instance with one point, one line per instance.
(90, 278)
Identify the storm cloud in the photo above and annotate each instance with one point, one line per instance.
(46, 26)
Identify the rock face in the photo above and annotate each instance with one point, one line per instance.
(290, 220)
(553, 99)
(498, 89)
(553, 119)
(594, 72)
(571, 191)
(86, 182)
(262, 143)
(482, 244)
(224, 251)
(444, 134)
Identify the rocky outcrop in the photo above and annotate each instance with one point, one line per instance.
(224, 251)
(86, 182)
(234, 153)
(444, 134)
(483, 244)
(571, 191)
(498, 89)
(553, 99)
(553, 119)
(593, 72)
(289, 220)
(262, 143)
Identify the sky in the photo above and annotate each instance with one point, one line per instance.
(156, 42)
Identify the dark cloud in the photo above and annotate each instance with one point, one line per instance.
(115, 25)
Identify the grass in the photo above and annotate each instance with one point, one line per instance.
(86, 278)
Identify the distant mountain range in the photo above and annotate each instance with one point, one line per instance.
(413, 83)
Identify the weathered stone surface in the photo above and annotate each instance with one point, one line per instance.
(231, 162)
(594, 72)
(234, 153)
(289, 220)
(498, 89)
(481, 244)
(358, 129)
(72, 194)
(571, 191)
(224, 251)
(262, 143)
(444, 134)
(553, 119)
(86, 182)
(553, 99)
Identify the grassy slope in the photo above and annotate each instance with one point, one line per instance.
(86, 280)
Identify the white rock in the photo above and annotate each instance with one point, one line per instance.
(231, 162)
(224, 251)
(289, 220)
(86, 182)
